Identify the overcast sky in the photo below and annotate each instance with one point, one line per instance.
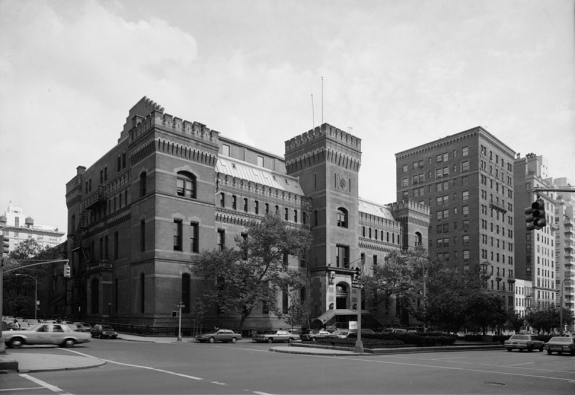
(396, 74)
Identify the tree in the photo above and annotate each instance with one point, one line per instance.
(255, 271)
(297, 314)
(548, 318)
(485, 310)
(19, 290)
(515, 321)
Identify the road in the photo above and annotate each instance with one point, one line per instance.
(248, 368)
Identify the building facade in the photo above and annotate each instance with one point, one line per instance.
(140, 216)
(535, 250)
(17, 227)
(466, 179)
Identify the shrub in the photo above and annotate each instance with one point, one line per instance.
(417, 339)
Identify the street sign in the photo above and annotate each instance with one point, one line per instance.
(181, 305)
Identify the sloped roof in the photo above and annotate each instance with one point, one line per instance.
(379, 210)
(247, 171)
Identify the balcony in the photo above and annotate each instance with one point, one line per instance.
(100, 196)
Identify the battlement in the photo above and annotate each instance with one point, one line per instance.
(323, 131)
(157, 117)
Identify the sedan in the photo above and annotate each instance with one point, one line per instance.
(103, 331)
(561, 344)
(57, 334)
(523, 342)
(219, 335)
(316, 334)
(271, 336)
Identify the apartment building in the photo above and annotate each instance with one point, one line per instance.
(466, 179)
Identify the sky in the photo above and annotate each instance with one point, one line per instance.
(396, 74)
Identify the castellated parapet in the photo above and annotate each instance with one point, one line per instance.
(325, 130)
(410, 205)
(174, 124)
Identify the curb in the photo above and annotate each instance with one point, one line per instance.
(335, 353)
(402, 350)
(95, 365)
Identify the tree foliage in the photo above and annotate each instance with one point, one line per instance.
(252, 273)
(546, 319)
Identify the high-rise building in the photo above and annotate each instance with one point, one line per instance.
(564, 242)
(17, 227)
(523, 296)
(535, 249)
(140, 216)
(467, 181)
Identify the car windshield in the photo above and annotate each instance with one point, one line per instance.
(107, 328)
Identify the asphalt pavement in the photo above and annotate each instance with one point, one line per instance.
(41, 362)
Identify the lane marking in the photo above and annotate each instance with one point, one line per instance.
(261, 393)
(242, 348)
(519, 364)
(140, 366)
(44, 384)
(217, 383)
(20, 389)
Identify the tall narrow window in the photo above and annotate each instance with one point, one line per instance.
(186, 280)
(142, 185)
(186, 184)
(116, 245)
(315, 217)
(342, 256)
(142, 235)
(295, 216)
(285, 300)
(286, 215)
(142, 293)
(116, 296)
(245, 205)
(234, 202)
(267, 208)
(221, 239)
(261, 161)
(256, 207)
(194, 239)
(177, 235)
(106, 241)
(222, 199)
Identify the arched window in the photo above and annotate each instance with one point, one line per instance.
(342, 217)
(186, 184)
(418, 238)
(186, 279)
(142, 293)
(143, 184)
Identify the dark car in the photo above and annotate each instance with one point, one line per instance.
(103, 331)
(219, 335)
(561, 344)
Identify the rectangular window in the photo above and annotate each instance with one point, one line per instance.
(342, 256)
(286, 213)
(234, 202)
(465, 166)
(246, 205)
(465, 255)
(256, 207)
(124, 160)
(221, 239)
(222, 199)
(465, 151)
(177, 235)
(116, 245)
(267, 206)
(260, 161)
(405, 168)
(119, 163)
(438, 158)
(404, 182)
(194, 238)
(465, 211)
(106, 245)
(142, 235)
(225, 150)
(465, 195)
(295, 216)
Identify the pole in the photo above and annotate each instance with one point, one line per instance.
(424, 299)
(359, 343)
(36, 300)
(561, 305)
(2, 343)
(180, 322)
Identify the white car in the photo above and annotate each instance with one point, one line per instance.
(57, 334)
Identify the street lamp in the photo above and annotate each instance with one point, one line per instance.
(561, 305)
(35, 292)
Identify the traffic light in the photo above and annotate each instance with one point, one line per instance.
(357, 274)
(5, 245)
(67, 270)
(535, 218)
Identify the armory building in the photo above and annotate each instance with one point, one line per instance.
(169, 189)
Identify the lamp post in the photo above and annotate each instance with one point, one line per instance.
(35, 291)
(561, 305)
(180, 307)
(424, 297)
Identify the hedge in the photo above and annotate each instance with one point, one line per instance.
(417, 339)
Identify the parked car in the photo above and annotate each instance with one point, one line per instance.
(274, 335)
(103, 331)
(83, 326)
(316, 334)
(340, 333)
(57, 334)
(523, 342)
(219, 335)
(561, 344)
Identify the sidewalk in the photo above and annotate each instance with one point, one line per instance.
(26, 363)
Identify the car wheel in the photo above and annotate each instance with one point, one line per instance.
(270, 340)
(509, 349)
(572, 352)
(16, 342)
(520, 350)
(541, 349)
(530, 349)
(113, 337)
(559, 352)
(68, 343)
(234, 340)
(290, 340)
(549, 352)
(212, 340)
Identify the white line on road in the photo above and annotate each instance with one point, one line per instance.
(243, 348)
(520, 364)
(44, 384)
(217, 382)
(20, 389)
(261, 393)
